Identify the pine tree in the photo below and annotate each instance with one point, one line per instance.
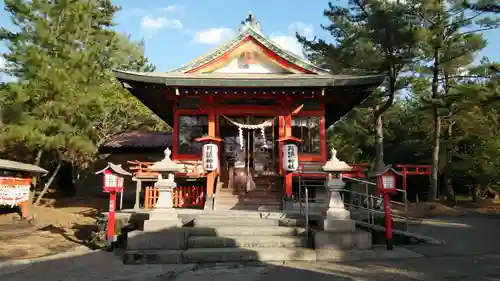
(67, 100)
(449, 36)
(370, 37)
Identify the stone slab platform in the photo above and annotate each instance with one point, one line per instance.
(262, 254)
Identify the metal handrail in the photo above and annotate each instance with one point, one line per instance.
(358, 180)
(370, 206)
(304, 211)
(369, 201)
(307, 210)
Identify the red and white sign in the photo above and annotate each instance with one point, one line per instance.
(14, 191)
(112, 182)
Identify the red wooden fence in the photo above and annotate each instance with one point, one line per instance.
(182, 197)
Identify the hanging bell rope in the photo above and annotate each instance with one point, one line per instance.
(262, 126)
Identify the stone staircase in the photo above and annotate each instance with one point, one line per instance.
(265, 197)
(230, 238)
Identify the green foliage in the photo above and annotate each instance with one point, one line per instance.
(66, 100)
(427, 49)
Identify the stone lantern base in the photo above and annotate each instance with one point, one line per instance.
(338, 219)
(164, 215)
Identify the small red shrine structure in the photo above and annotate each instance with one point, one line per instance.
(250, 98)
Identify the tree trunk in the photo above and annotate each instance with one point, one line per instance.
(437, 130)
(450, 192)
(34, 182)
(379, 140)
(48, 183)
(379, 126)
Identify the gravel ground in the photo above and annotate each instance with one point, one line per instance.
(471, 253)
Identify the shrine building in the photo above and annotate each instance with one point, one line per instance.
(265, 111)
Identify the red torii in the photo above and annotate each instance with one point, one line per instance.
(413, 170)
(358, 171)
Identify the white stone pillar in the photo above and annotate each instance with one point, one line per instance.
(138, 187)
(337, 218)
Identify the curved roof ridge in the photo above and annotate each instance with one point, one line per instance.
(268, 43)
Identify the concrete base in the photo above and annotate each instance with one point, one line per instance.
(210, 255)
(157, 225)
(163, 214)
(161, 219)
(339, 225)
(360, 240)
(171, 239)
(337, 214)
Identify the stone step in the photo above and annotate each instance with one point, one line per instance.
(202, 255)
(211, 255)
(252, 214)
(255, 193)
(248, 207)
(224, 231)
(248, 241)
(247, 221)
(256, 200)
(207, 222)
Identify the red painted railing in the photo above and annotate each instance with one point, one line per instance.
(141, 169)
(182, 197)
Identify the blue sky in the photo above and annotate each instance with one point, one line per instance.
(176, 32)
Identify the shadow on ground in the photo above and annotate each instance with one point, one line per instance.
(474, 262)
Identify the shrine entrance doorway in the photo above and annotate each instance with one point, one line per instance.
(249, 151)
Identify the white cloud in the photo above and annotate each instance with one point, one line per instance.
(301, 28)
(289, 42)
(2, 63)
(155, 23)
(213, 35)
(172, 8)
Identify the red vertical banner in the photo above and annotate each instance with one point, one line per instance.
(111, 217)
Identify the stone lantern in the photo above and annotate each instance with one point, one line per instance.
(337, 217)
(164, 215)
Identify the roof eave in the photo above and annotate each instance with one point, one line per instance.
(124, 76)
(233, 81)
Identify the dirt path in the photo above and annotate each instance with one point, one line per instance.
(56, 229)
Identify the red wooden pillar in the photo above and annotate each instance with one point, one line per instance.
(288, 176)
(285, 131)
(211, 175)
(405, 173)
(211, 138)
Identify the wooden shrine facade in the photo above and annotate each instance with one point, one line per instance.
(250, 98)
